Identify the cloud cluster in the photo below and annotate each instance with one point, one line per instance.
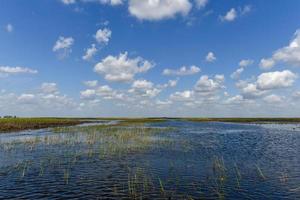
(90, 52)
(158, 9)
(47, 101)
(210, 57)
(267, 82)
(63, 46)
(233, 13)
(122, 68)
(103, 36)
(289, 54)
(242, 65)
(7, 70)
(183, 71)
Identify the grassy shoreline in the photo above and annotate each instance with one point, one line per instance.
(19, 124)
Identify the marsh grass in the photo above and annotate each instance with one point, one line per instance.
(19, 124)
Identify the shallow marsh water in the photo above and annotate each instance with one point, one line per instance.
(187, 161)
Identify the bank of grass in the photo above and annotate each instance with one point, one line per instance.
(138, 121)
(19, 124)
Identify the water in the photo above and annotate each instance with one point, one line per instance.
(203, 160)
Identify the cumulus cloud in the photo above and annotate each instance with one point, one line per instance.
(289, 54)
(37, 103)
(93, 83)
(250, 90)
(266, 63)
(112, 2)
(63, 46)
(210, 57)
(68, 2)
(104, 92)
(187, 95)
(6, 70)
(231, 15)
(158, 9)
(207, 86)
(109, 2)
(49, 88)
(276, 80)
(103, 36)
(201, 3)
(296, 95)
(144, 88)
(9, 28)
(122, 68)
(273, 99)
(90, 52)
(266, 82)
(26, 98)
(242, 65)
(183, 71)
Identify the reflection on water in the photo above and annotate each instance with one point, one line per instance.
(188, 161)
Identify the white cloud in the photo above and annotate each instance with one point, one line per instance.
(63, 46)
(158, 9)
(245, 63)
(172, 83)
(238, 99)
(250, 91)
(6, 70)
(266, 63)
(90, 52)
(207, 86)
(242, 64)
(187, 95)
(103, 36)
(49, 88)
(88, 94)
(201, 3)
(26, 98)
(9, 28)
(144, 88)
(112, 2)
(68, 2)
(273, 99)
(237, 73)
(160, 103)
(93, 83)
(210, 57)
(246, 9)
(231, 15)
(289, 54)
(104, 92)
(121, 68)
(276, 80)
(37, 104)
(183, 71)
(296, 95)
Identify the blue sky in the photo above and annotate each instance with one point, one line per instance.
(203, 58)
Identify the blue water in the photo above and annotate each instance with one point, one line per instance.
(206, 161)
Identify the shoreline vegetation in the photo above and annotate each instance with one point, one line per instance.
(20, 124)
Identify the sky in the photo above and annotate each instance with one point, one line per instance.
(150, 58)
